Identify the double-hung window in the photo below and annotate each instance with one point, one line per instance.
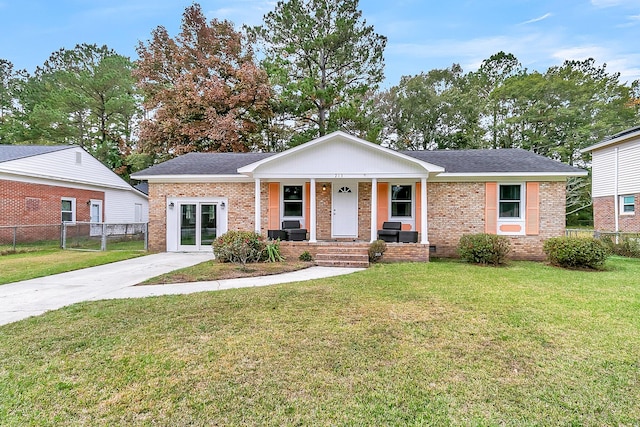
(627, 205)
(510, 203)
(68, 209)
(401, 201)
(292, 201)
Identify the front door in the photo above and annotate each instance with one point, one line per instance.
(344, 221)
(198, 226)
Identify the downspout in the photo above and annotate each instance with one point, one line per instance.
(616, 207)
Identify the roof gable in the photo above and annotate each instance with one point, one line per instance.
(62, 164)
(339, 155)
(14, 152)
(624, 136)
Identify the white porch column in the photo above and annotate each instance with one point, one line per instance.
(374, 209)
(257, 206)
(312, 211)
(424, 239)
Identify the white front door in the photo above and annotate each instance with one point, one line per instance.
(344, 221)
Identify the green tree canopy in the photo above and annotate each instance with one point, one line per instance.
(83, 96)
(323, 61)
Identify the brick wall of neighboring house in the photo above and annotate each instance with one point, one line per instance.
(23, 203)
(604, 216)
(458, 208)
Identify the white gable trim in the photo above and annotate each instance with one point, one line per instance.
(606, 143)
(251, 169)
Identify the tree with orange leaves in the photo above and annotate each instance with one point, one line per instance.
(202, 89)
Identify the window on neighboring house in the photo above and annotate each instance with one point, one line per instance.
(292, 200)
(510, 203)
(628, 204)
(68, 209)
(401, 200)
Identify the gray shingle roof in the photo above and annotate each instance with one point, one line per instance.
(486, 161)
(454, 161)
(205, 164)
(14, 152)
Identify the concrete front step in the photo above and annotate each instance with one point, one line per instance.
(336, 263)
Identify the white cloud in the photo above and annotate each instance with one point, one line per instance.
(538, 19)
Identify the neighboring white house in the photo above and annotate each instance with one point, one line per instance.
(51, 184)
(616, 182)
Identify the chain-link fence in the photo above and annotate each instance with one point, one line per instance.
(624, 244)
(29, 237)
(100, 236)
(73, 235)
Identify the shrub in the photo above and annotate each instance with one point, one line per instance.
(376, 250)
(576, 252)
(272, 251)
(305, 256)
(239, 247)
(628, 246)
(484, 248)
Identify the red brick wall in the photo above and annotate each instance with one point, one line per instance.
(240, 206)
(454, 209)
(23, 203)
(458, 208)
(604, 216)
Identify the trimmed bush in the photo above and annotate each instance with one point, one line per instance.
(240, 247)
(376, 250)
(576, 252)
(305, 256)
(483, 248)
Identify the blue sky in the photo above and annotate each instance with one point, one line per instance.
(422, 35)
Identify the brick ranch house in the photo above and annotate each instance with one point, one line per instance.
(615, 185)
(46, 185)
(342, 188)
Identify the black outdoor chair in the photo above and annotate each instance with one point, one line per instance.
(390, 231)
(293, 230)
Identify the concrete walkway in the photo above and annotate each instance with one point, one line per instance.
(33, 297)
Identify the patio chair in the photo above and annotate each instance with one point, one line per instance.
(293, 230)
(390, 231)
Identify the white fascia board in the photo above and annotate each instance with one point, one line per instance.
(608, 142)
(332, 176)
(519, 176)
(191, 178)
(63, 181)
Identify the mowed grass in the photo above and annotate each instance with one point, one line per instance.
(29, 265)
(443, 343)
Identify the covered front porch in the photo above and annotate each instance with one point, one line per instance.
(341, 189)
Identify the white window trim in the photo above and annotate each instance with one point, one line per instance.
(521, 220)
(73, 208)
(282, 202)
(623, 204)
(410, 220)
(522, 201)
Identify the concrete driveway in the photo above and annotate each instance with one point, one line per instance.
(33, 297)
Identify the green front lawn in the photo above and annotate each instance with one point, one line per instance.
(442, 343)
(29, 265)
